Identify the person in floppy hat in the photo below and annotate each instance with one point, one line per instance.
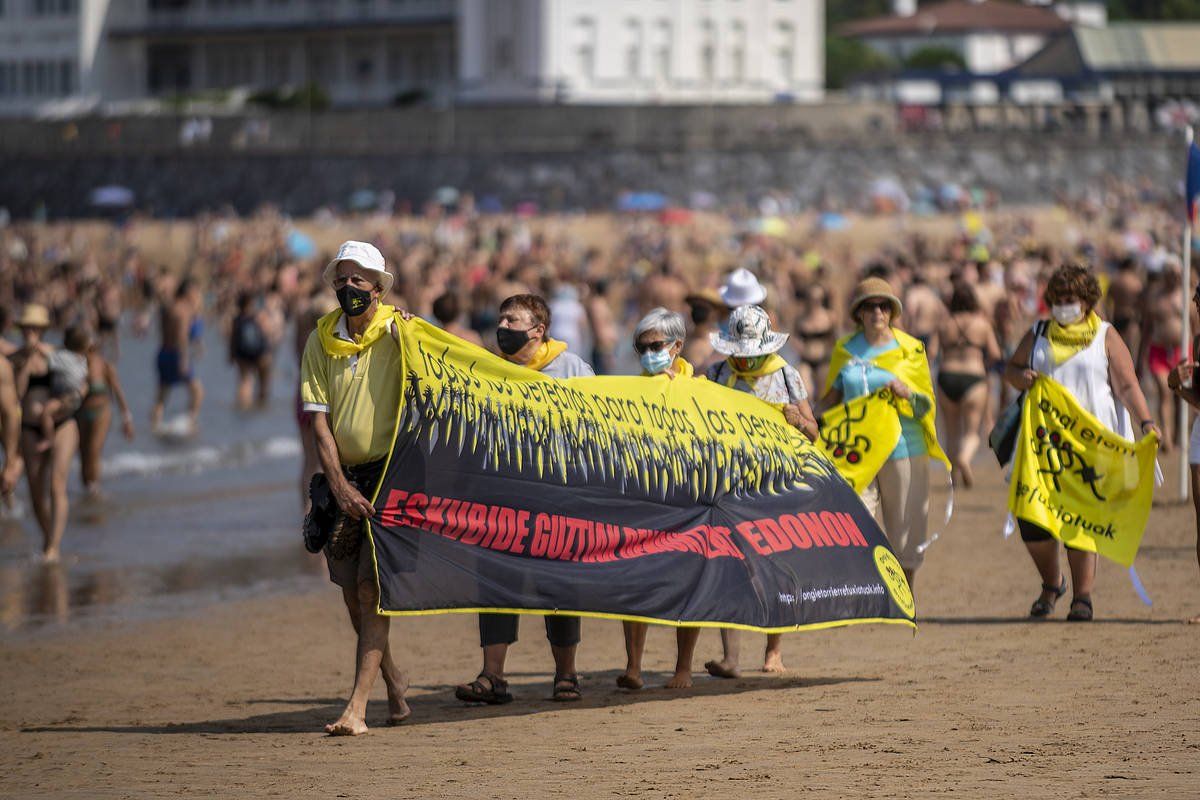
(351, 382)
(878, 355)
(709, 312)
(46, 468)
(742, 289)
(752, 365)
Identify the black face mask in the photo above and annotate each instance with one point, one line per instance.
(511, 340)
(353, 301)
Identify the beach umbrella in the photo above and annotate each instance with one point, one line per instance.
(489, 204)
(770, 226)
(833, 221)
(675, 216)
(363, 200)
(446, 196)
(300, 245)
(111, 196)
(641, 201)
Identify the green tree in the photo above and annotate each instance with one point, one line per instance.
(934, 57)
(845, 58)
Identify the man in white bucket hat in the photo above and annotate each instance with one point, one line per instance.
(742, 289)
(351, 382)
(754, 366)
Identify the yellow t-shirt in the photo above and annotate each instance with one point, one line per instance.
(361, 395)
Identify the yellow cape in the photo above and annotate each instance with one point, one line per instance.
(907, 362)
(341, 348)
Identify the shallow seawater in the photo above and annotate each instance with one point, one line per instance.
(184, 521)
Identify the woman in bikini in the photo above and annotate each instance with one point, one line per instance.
(967, 344)
(46, 470)
(95, 416)
(815, 333)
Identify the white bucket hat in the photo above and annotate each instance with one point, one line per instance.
(747, 334)
(742, 289)
(366, 256)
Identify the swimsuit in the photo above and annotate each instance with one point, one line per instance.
(169, 372)
(955, 385)
(1163, 359)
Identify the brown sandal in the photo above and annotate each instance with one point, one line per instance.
(566, 689)
(495, 693)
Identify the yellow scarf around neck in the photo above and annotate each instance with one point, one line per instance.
(772, 363)
(341, 348)
(550, 350)
(1068, 340)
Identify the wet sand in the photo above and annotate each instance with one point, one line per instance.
(979, 703)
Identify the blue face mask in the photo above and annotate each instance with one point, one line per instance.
(657, 361)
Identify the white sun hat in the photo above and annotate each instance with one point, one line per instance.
(747, 334)
(366, 256)
(742, 289)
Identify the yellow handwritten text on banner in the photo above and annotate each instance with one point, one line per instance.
(1087, 486)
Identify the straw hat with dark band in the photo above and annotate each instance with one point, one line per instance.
(874, 289)
(34, 315)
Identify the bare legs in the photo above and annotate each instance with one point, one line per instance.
(1166, 411)
(963, 421)
(92, 434)
(373, 655)
(1195, 470)
(635, 643)
(1082, 564)
(727, 667)
(47, 473)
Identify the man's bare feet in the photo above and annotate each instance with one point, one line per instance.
(1194, 620)
(347, 725)
(719, 669)
(774, 663)
(398, 709)
(630, 681)
(50, 555)
(680, 680)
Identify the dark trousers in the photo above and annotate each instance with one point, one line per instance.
(1034, 533)
(502, 629)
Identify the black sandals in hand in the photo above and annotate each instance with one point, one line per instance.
(494, 692)
(1042, 607)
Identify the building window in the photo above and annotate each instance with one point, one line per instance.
(502, 55)
(277, 62)
(397, 60)
(785, 62)
(47, 8)
(662, 50)
(633, 48)
(708, 51)
(585, 47)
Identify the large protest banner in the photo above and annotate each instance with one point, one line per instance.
(670, 501)
(1088, 487)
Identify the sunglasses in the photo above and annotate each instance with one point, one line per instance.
(642, 347)
(875, 305)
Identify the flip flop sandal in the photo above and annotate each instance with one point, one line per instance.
(495, 693)
(1042, 607)
(1082, 614)
(566, 689)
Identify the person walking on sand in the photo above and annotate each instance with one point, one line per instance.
(659, 340)
(753, 365)
(1182, 382)
(523, 339)
(351, 382)
(174, 361)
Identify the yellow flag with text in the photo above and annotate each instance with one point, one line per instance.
(1087, 486)
(859, 435)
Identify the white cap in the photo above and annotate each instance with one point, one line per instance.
(366, 256)
(742, 289)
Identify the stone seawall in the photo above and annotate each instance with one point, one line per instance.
(569, 158)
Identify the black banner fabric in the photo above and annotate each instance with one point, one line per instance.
(506, 491)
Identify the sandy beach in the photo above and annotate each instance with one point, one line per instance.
(229, 700)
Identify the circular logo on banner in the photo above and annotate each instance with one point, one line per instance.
(893, 578)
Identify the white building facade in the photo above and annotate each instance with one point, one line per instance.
(641, 51)
(384, 52)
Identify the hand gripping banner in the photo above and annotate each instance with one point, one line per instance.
(1087, 486)
(670, 501)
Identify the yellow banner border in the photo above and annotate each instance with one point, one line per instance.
(815, 626)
